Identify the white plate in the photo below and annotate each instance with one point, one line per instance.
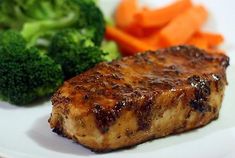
(25, 133)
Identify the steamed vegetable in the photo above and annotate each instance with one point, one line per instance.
(40, 20)
(77, 60)
(127, 42)
(179, 30)
(75, 52)
(198, 42)
(125, 12)
(213, 39)
(163, 15)
(179, 22)
(12, 41)
(52, 40)
(26, 73)
(67, 39)
(111, 49)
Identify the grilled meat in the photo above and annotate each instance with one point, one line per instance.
(137, 98)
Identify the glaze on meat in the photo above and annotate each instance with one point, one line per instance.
(137, 98)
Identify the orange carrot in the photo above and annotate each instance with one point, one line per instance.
(198, 42)
(134, 30)
(206, 40)
(152, 39)
(213, 39)
(125, 13)
(138, 31)
(131, 44)
(160, 17)
(144, 29)
(180, 29)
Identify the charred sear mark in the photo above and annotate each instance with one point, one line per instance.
(58, 99)
(202, 91)
(143, 114)
(106, 117)
(58, 131)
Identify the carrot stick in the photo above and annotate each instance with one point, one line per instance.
(135, 30)
(198, 42)
(213, 39)
(125, 11)
(160, 17)
(126, 41)
(206, 40)
(138, 31)
(180, 29)
(152, 39)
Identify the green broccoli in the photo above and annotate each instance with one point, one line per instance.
(112, 48)
(74, 51)
(26, 73)
(77, 53)
(12, 41)
(40, 20)
(77, 60)
(66, 39)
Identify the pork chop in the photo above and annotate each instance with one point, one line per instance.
(150, 95)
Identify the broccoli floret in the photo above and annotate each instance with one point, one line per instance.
(40, 20)
(77, 60)
(94, 21)
(12, 41)
(66, 39)
(112, 50)
(26, 74)
(74, 51)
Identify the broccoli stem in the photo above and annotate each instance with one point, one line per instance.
(33, 30)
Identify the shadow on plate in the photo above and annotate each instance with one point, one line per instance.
(8, 106)
(43, 136)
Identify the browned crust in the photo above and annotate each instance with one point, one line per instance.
(131, 146)
(147, 84)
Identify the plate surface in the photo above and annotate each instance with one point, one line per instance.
(25, 133)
